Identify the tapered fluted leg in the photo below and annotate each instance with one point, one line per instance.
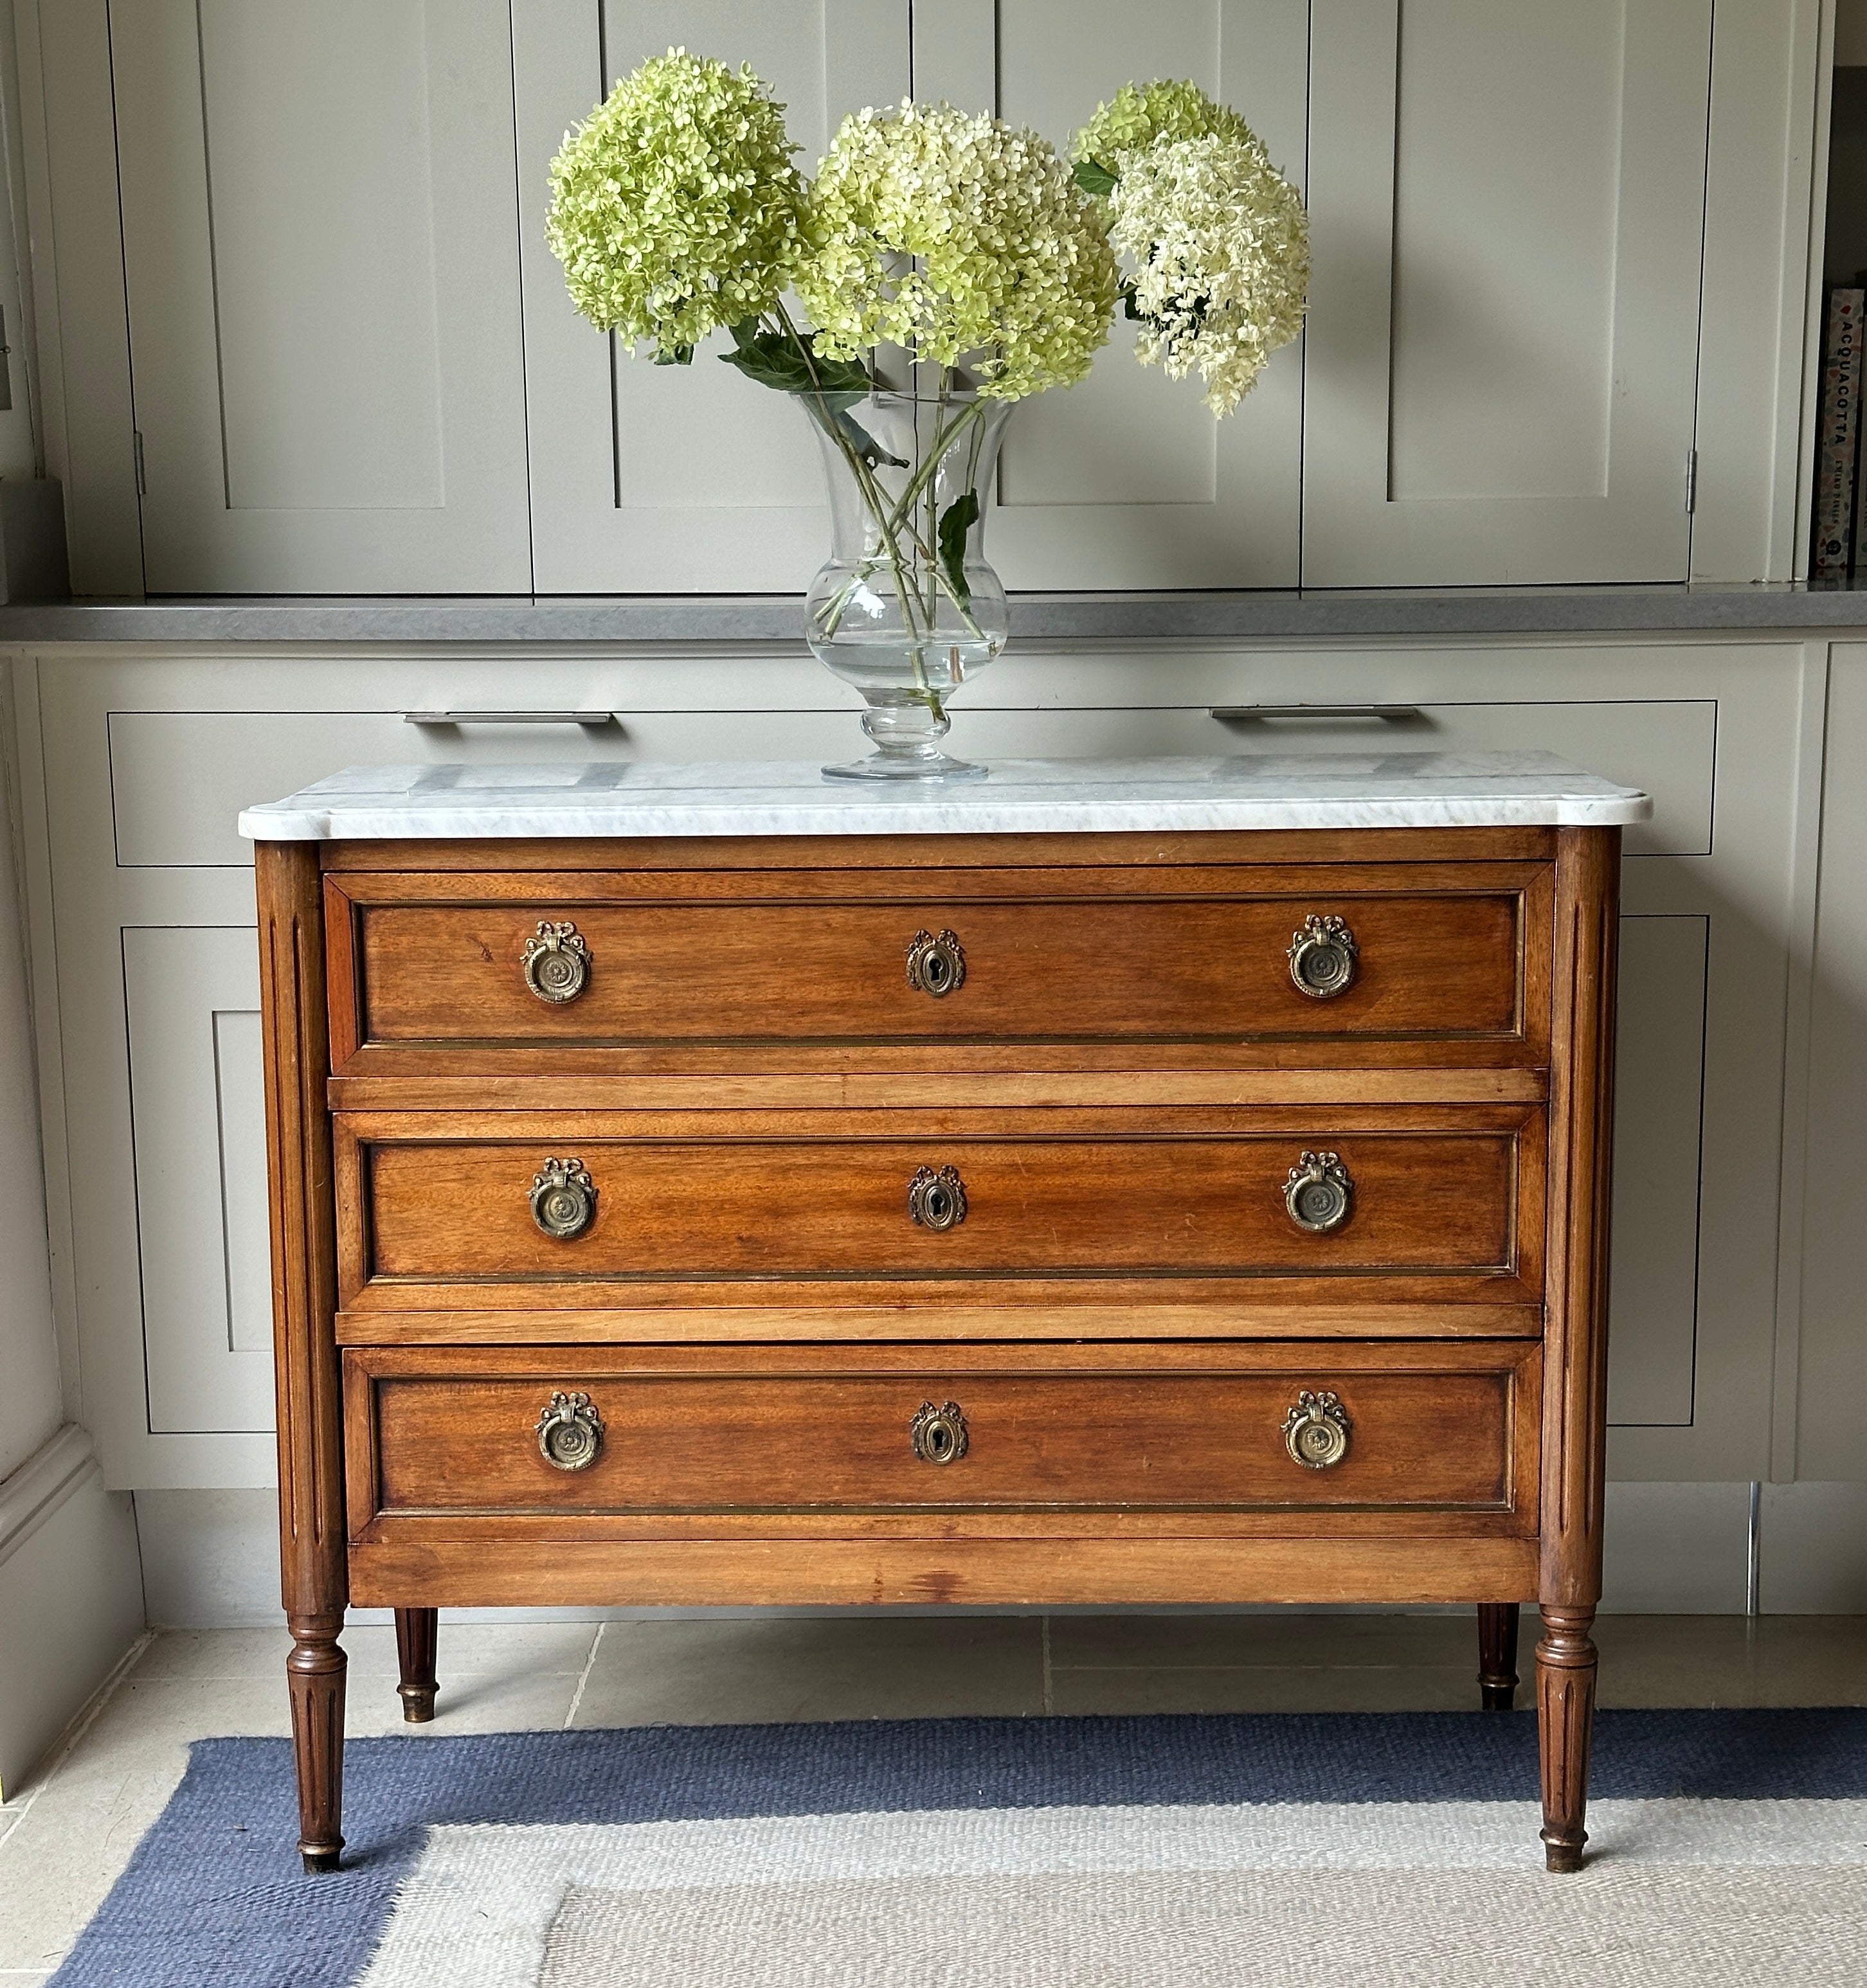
(415, 1633)
(314, 1675)
(1565, 1721)
(1497, 1678)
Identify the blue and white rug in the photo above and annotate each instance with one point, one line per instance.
(1727, 1849)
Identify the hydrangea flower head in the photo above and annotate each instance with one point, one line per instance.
(1220, 245)
(1140, 112)
(962, 237)
(674, 205)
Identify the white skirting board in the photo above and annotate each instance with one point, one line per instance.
(210, 1558)
(71, 1594)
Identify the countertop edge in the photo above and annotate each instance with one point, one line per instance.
(768, 621)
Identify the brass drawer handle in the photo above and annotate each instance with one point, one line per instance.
(1319, 1193)
(938, 1435)
(936, 963)
(1316, 1431)
(557, 962)
(937, 1200)
(563, 1198)
(569, 1432)
(1323, 958)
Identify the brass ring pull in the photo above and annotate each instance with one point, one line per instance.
(938, 1435)
(563, 1200)
(937, 1200)
(936, 964)
(569, 1432)
(1316, 1431)
(1323, 958)
(1319, 1193)
(557, 961)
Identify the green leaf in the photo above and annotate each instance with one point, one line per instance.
(956, 521)
(674, 355)
(775, 360)
(864, 444)
(1092, 176)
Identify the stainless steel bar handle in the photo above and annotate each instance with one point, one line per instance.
(1259, 714)
(590, 719)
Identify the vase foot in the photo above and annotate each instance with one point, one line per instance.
(900, 766)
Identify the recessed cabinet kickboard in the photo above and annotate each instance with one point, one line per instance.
(1012, 1219)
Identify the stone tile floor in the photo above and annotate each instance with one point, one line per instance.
(66, 1833)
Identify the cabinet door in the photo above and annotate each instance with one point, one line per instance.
(649, 478)
(1126, 481)
(320, 249)
(1506, 200)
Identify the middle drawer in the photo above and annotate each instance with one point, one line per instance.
(606, 1208)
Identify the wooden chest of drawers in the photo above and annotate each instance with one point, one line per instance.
(1014, 1219)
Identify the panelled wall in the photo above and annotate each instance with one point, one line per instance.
(141, 761)
(311, 340)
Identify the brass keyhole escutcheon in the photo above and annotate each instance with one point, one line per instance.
(1323, 958)
(563, 1200)
(936, 1198)
(569, 1432)
(938, 1435)
(1316, 1431)
(557, 962)
(936, 963)
(1319, 1195)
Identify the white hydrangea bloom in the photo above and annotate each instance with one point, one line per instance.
(1220, 246)
(960, 236)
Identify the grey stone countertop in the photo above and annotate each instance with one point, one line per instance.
(768, 619)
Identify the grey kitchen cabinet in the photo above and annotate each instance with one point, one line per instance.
(656, 479)
(1506, 204)
(319, 245)
(1560, 265)
(146, 757)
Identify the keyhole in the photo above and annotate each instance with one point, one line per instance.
(936, 971)
(939, 1207)
(940, 1441)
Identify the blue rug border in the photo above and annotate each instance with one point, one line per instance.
(214, 1893)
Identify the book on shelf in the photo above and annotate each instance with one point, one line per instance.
(1838, 447)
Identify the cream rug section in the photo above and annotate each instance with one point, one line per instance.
(1639, 1927)
(483, 1907)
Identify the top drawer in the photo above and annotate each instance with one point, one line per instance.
(672, 970)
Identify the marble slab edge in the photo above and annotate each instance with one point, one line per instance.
(416, 824)
(766, 620)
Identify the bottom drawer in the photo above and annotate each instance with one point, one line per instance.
(610, 1433)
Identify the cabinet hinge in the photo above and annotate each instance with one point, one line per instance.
(1691, 479)
(142, 482)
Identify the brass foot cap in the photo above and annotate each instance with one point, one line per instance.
(1498, 1697)
(417, 1707)
(317, 1861)
(1561, 1856)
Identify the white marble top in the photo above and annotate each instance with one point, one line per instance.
(618, 798)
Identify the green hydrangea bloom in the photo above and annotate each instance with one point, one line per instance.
(962, 237)
(674, 205)
(1140, 112)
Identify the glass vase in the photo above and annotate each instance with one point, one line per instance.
(906, 609)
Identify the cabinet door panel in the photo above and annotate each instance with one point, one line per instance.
(322, 274)
(199, 1135)
(1126, 480)
(1508, 201)
(674, 479)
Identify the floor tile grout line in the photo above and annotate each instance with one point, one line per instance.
(590, 1663)
(63, 1746)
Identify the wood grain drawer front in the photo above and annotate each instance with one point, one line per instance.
(1431, 1195)
(457, 1430)
(1441, 961)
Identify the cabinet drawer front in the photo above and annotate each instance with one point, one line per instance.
(1134, 966)
(1434, 1199)
(458, 1431)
